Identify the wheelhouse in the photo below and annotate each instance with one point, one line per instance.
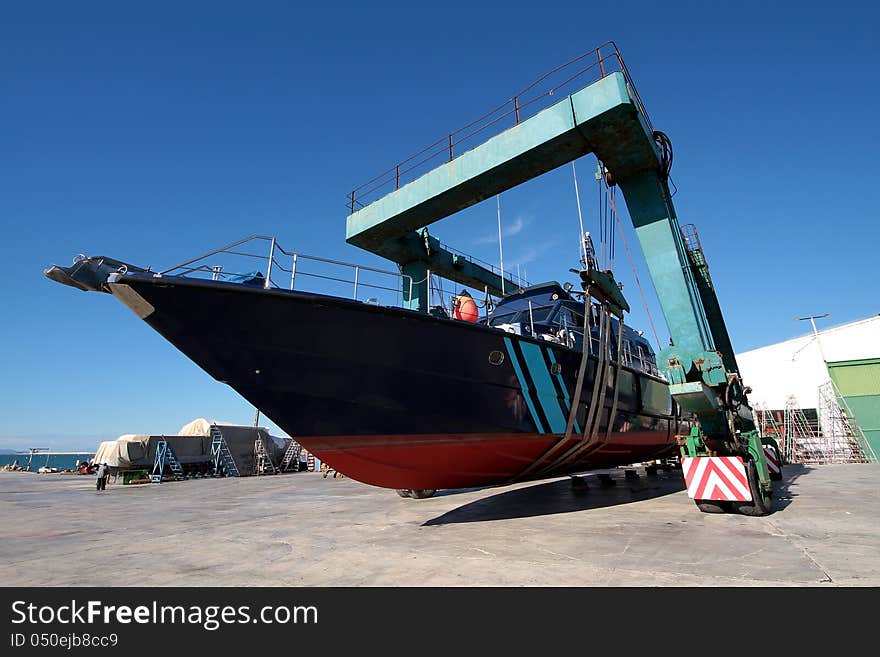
(553, 313)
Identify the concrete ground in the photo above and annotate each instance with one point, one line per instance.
(303, 530)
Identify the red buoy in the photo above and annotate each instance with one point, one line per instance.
(465, 308)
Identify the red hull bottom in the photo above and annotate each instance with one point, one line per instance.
(467, 460)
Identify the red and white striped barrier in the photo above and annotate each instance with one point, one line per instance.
(772, 459)
(721, 478)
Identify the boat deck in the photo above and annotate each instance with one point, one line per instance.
(303, 530)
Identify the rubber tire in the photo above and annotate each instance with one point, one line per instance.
(760, 505)
(579, 483)
(422, 494)
(713, 506)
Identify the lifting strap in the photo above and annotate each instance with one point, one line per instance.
(588, 440)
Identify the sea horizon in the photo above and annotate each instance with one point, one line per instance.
(63, 461)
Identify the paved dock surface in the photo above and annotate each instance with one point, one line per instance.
(303, 530)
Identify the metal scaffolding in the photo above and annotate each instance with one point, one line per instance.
(771, 424)
(845, 436)
(832, 436)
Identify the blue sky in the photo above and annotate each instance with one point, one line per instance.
(154, 131)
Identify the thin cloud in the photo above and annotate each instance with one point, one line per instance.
(533, 252)
(514, 228)
(507, 230)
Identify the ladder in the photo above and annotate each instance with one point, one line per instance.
(768, 425)
(262, 461)
(806, 444)
(165, 456)
(291, 456)
(224, 464)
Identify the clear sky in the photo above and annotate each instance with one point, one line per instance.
(154, 131)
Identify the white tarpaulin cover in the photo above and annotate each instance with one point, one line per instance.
(198, 427)
(123, 451)
(192, 444)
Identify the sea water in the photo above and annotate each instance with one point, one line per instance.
(60, 461)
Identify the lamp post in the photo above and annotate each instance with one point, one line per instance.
(813, 319)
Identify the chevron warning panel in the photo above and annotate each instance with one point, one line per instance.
(772, 459)
(721, 478)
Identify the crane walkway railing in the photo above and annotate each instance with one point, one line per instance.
(565, 79)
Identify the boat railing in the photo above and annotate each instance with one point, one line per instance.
(561, 81)
(277, 268)
(517, 278)
(638, 360)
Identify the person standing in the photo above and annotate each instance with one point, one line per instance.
(103, 472)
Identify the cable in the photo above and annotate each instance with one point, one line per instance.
(635, 272)
(666, 154)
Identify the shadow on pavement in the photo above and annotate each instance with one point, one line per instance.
(561, 496)
(783, 495)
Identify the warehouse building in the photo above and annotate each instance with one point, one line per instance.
(838, 365)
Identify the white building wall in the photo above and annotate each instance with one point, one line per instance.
(795, 367)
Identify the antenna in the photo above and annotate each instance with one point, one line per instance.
(577, 196)
(500, 249)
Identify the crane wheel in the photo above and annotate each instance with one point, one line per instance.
(712, 506)
(416, 493)
(761, 504)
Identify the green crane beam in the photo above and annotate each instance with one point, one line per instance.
(602, 112)
(601, 118)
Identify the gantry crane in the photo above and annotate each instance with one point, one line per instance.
(723, 458)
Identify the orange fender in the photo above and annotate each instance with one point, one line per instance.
(465, 308)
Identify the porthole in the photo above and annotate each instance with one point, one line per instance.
(496, 358)
(555, 368)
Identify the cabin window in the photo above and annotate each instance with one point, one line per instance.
(538, 314)
(501, 319)
(571, 319)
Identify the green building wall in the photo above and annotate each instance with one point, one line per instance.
(859, 384)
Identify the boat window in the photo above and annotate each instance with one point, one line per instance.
(501, 319)
(570, 318)
(538, 314)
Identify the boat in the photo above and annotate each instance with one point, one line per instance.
(407, 400)
(418, 396)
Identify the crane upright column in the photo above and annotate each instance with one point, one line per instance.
(602, 118)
